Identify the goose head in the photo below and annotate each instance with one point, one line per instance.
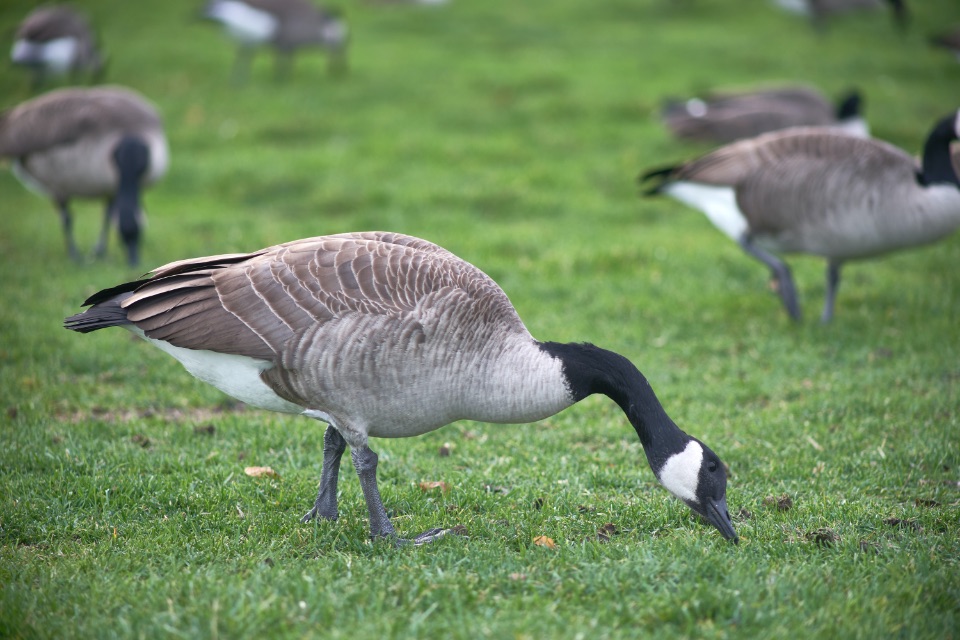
(695, 475)
(132, 159)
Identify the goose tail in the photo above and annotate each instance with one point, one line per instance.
(105, 312)
(655, 180)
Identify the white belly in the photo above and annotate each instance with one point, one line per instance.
(236, 376)
(56, 55)
(242, 22)
(85, 168)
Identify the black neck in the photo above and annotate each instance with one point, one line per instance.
(132, 158)
(850, 107)
(937, 163)
(900, 16)
(590, 369)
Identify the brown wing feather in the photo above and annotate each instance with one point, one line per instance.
(732, 164)
(255, 304)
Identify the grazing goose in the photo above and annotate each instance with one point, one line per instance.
(819, 11)
(949, 40)
(56, 40)
(817, 191)
(387, 336)
(286, 25)
(101, 142)
(727, 117)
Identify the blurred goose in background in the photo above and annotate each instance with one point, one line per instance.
(726, 117)
(811, 190)
(949, 40)
(99, 142)
(387, 336)
(286, 25)
(820, 11)
(56, 40)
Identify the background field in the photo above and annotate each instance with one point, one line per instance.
(510, 133)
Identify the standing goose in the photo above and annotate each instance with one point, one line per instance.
(727, 117)
(388, 336)
(286, 25)
(102, 142)
(56, 40)
(949, 40)
(817, 191)
(819, 11)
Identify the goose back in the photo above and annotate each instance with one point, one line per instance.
(726, 117)
(296, 23)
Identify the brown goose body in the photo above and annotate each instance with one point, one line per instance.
(65, 145)
(285, 25)
(56, 40)
(382, 335)
(727, 117)
(821, 192)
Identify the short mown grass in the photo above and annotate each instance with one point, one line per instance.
(510, 133)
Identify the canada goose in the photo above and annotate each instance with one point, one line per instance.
(949, 40)
(734, 116)
(817, 191)
(56, 40)
(819, 11)
(388, 336)
(286, 25)
(98, 142)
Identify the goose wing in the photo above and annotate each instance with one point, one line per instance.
(48, 23)
(804, 173)
(66, 115)
(255, 304)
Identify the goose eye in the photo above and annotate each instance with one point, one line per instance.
(711, 466)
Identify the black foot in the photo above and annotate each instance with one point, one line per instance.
(314, 513)
(426, 537)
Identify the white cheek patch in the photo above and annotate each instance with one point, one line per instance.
(681, 473)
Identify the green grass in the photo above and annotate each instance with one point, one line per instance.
(511, 134)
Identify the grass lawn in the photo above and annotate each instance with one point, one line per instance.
(510, 133)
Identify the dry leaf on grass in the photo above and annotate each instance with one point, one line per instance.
(430, 486)
(903, 524)
(544, 541)
(824, 537)
(782, 502)
(259, 472)
(608, 530)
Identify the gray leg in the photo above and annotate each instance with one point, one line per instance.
(242, 65)
(326, 504)
(337, 63)
(67, 221)
(365, 461)
(833, 283)
(781, 273)
(100, 249)
(283, 64)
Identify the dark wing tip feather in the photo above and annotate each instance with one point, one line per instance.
(659, 178)
(106, 294)
(106, 315)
